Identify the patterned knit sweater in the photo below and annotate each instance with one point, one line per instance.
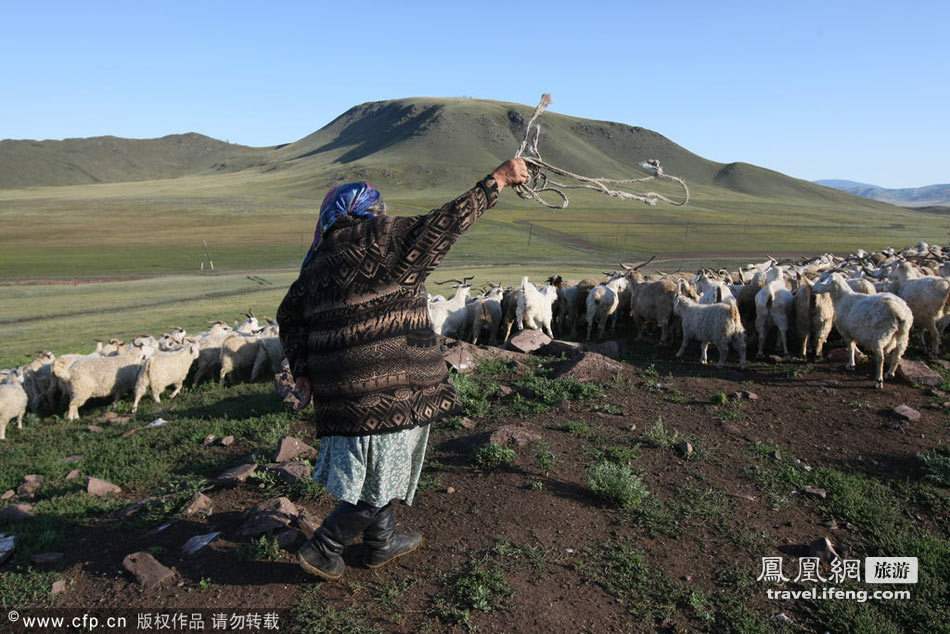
(357, 323)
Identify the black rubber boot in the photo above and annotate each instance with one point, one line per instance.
(321, 555)
(383, 542)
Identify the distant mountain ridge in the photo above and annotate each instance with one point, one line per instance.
(927, 196)
(414, 147)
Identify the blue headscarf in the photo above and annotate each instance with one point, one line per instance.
(352, 199)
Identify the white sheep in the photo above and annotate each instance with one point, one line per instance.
(535, 307)
(929, 300)
(488, 315)
(163, 369)
(13, 401)
(270, 353)
(718, 323)
(774, 304)
(237, 352)
(880, 324)
(448, 317)
(95, 376)
(814, 318)
(602, 302)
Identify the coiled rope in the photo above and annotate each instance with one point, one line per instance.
(540, 183)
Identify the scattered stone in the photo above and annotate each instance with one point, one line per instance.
(146, 569)
(917, 372)
(614, 348)
(129, 510)
(905, 412)
(7, 544)
(467, 423)
(774, 358)
(46, 560)
(235, 475)
(306, 524)
(820, 493)
(288, 538)
(894, 425)
(199, 503)
(159, 529)
(158, 422)
(291, 472)
(687, 578)
(71, 459)
(684, 448)
(589, 366)
(557, 347)
(95, 429)
(563, 406)
(463, 356)
(59, 587)
(113, 418)
(514, 436)
(569, 551)
(527, 341)
(943, 363)
(198, 542)
(450, 490)
(28, 489)
(750, 396)
(32, 477)
(289, 448)
(100, 488)
(506, 390)
(268, 515)
(832, 524)
(781, 617)
(227, 441)
(16, 512)
(936, 393)
(209, 440)
(129, 432)
(6, 495)
(73, 474)
(823, 549)
(776, 455)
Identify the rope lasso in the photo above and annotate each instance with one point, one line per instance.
(539, 182)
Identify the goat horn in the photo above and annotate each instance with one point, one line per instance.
(447, 281)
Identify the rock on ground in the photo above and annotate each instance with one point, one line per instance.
(199, 503)
(101, 488)
(290, 472)
(823, 549)
(905, 412)
(16, 512)
(7, 544)
(289, 448)
(198, 542)
(514, 436)
(558, 347)
(915, 372)
(527, 341)
(269, 515)
(589, 366)
(46, 559)
(463, 356)
(146, 569)
(235, 475)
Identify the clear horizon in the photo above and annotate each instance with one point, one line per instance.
(852, 91)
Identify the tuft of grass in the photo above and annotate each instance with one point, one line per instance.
(660, 436)
(544, 392)
(574, 428)
(313, 615)
(936, 465)
(492, 455)
(264, 548)
(545, 457)
(481, 586)
(719, 398)
(475, 391)
(650, 370)
(23, 586)
(616, 484)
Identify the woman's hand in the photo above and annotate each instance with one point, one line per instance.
(511, 172)
(304, 392)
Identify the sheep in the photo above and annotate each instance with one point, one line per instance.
(163, 369)
(509, 311)
(602, 302)
(862, 285)
(38, 379)
(13, 401)
(248, 326)
(209, 359)
(814, 317)
(269, 351)
(711, 291)
(448, 317)
(929, 300)
(488, 315)
(97, 376)
(237, 351)
(879, 323)
(653, 301)
(774, 304)
(534, 308)
(173, 340)
(718, 323)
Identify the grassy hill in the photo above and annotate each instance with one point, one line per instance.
(255, 206)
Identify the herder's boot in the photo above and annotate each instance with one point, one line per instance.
(321, 555)
(383, 542)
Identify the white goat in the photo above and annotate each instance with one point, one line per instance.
(13, 401)
(95, 377)
(602, 302)
(488, 315)
(163, 369)
(448, 317)
(535, 307)
(718, 323)
(879, 323)
(774, 304)
(814, 317)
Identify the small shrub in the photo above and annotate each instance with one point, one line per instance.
(575, 428)
(264, 548)
(616, 484)
(494, 455)
(650, 370)
(936, 465)
(545, 457)
(660, 436)
(719, 398)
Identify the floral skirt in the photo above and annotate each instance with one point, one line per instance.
(375, 468)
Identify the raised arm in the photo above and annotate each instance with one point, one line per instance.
(424, 240)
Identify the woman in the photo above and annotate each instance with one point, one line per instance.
(355, 329)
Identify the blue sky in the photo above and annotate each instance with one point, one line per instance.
(854, 90)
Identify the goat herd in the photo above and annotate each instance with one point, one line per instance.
(871, 299)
